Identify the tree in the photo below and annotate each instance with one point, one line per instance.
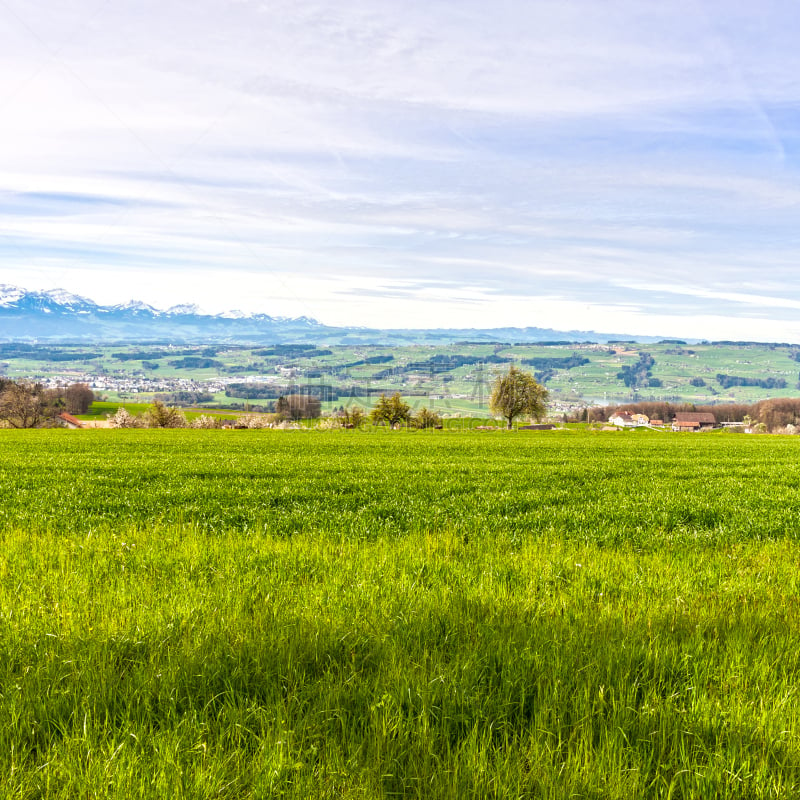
(29, 405)
(78, 397)
(391, 410)
(206, 421)
(352, 417)
(160, 416)
(298, 406)
(253, 421)
(122, 418)
(427, 419)
(517, 393)
(778, 412)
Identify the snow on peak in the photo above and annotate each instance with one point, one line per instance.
(185, 308)
(61, 302)
(62, 297)
(10, 294)
(136, 306)
(300, 320)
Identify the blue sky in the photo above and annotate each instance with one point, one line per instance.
(622, 166)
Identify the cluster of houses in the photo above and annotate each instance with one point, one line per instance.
(682, 421)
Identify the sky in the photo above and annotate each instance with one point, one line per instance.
(613, 165)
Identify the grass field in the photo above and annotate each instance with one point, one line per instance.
(102, 410)
(447, 614)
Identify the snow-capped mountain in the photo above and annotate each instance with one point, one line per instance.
(60, 316)
(10, 294)
(184, 309)
(132, 307)
(53, 301)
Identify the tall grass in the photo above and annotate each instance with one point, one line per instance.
(305, 614)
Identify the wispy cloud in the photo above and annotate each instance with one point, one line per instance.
(626, 163)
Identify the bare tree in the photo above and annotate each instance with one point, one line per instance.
(78, 398)
(29, 405)
(298, 406)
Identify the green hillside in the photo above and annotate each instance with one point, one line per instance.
(453, 378)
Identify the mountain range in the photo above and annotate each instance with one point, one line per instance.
(61, 316)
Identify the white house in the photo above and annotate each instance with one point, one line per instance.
(623, 419)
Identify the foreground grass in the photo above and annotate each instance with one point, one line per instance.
(212, 614)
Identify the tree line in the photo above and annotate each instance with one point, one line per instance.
(727, 381)
(31, 405)
(640, 373)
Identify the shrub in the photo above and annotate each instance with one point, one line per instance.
(205, 421)
(330, 423)
(161, 416)
(122, 418)
(254, 421)
(427, 419)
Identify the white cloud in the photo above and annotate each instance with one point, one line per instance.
(607, 161)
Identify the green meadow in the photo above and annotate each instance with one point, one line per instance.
(432, 614)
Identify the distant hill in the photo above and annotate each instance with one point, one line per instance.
(60, 316)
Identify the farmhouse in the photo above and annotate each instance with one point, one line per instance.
(68, 421)
(623, 419)
(693, 421)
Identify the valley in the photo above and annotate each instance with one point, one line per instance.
(455, 379)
